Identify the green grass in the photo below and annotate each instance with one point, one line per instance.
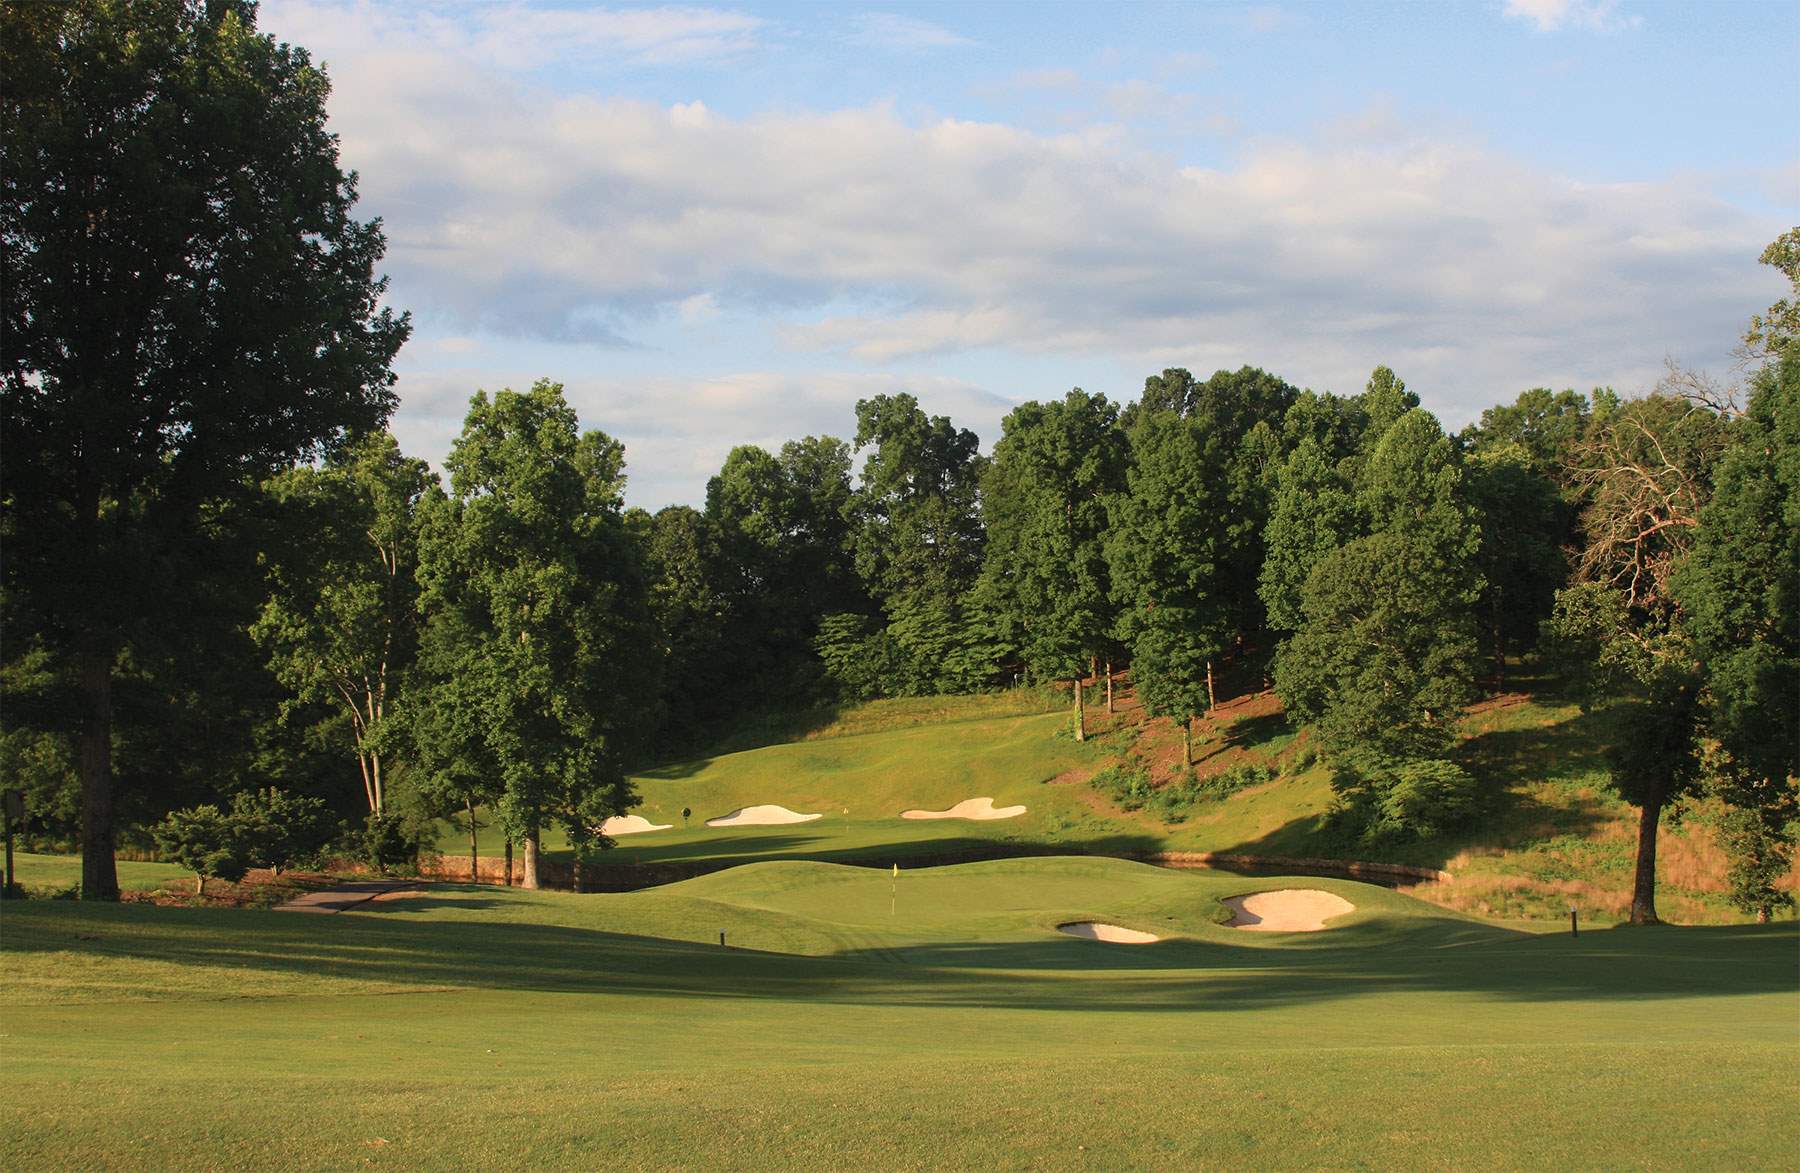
(1549, 832)
(482, 1026)
(44, 875)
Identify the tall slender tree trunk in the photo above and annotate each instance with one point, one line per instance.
(1212, 701)
(1109, 694)
(474, 848)
(1187, 740)
(509, 882)
(1080, 713)
(531, 858)
(99, 871)
(1643, 885)
(1499, 649)
(575, 874)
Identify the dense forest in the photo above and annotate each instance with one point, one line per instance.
(226, 583)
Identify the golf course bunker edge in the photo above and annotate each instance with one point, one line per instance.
(980, 809)
(631, 825)
(761, 816)
(1112, 934)
(1286, 910)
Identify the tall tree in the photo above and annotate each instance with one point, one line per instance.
(1383, 660)
(1524, 523)
(1740, 593)
(1165, 553)
(1545, 424)
(1044, 499)
(1778, 328)
(189, 303)
(340, 622)
(1646, 468)
(1314, 512)
(915, 529)
(541, 597)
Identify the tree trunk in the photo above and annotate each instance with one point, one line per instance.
(1080, 714)
(575, 873)
(1187, 740)
(1499, 650)
(99, 872)
(509, 882)
(531, 858)
(199, 886)
(1212, 701)
(1643, 887)
(1109, 694)
(474, 857)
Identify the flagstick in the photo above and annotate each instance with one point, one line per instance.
(894, 896)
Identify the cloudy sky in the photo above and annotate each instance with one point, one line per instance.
(724, 225)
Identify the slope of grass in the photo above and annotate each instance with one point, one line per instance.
(481, 1026)
(1549, 832)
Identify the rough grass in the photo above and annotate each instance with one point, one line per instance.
(479, 1027)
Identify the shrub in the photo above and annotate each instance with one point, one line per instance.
(1131, 788)
(394, 842)
(206, 841)
(279, 828)
(1404, 798)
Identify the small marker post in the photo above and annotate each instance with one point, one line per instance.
(1574, 931)
(894, 895)
(721, 938)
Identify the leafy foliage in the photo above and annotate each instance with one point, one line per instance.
(206, 841)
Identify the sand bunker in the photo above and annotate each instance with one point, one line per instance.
(1095, 931)
(631, 825)
(761, 816)
(1291, 910)
(969, 808)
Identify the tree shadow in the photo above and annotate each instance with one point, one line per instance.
(1379, 955)
(1252, 731)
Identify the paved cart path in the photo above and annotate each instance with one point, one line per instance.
(347, 896)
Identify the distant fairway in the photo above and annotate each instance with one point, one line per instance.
(498, 1027)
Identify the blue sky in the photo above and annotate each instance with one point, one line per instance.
(725, 224)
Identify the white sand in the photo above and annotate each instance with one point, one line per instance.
(631, 825)
(1095, 931)
(969, 808)
(1291, 910)
(761, 816)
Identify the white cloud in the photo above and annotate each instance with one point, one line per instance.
(1601, 16)
(517, 36)
(889, 31)
(854, 234)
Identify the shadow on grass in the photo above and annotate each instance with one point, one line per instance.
(1379, 955)
(1253, 731)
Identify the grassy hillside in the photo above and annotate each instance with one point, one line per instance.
(480, 1026)
(1549, 833)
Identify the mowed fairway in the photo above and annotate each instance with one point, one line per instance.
(480, 1026)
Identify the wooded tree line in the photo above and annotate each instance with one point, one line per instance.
(222, 574)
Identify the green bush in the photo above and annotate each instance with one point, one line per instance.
(1130, 787)
(206, 841)
(1388, 798)
(394, 842)
(280, 829)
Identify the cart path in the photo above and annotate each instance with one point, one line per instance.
(346, 896)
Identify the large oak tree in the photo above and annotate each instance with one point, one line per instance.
(189, 303)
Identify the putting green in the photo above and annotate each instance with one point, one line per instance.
(859, 1019)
